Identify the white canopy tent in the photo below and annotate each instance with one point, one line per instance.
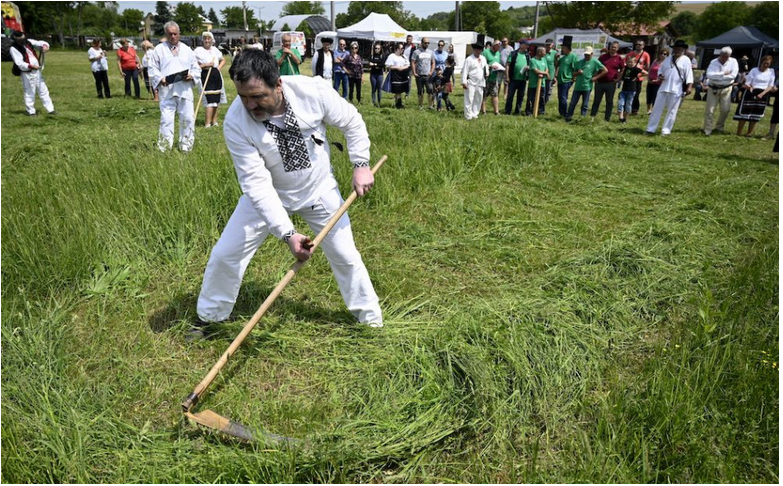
(460, 40)
(374, 27)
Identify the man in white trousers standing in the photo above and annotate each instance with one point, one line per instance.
(474, 75)
(676, 76)
(275, 132)
(720, 76)
(173, 70)
(29, 69)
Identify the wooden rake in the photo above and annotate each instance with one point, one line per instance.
(217, 422)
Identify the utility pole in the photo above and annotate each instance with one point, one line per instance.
(456, 17)
(244, 15)
(331, 8)
(535, 27)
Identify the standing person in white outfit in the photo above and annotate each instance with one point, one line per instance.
(26, 61)
(474, 75)
(176, 95)
(275, 132)
(211, 61)
(100, 68)
(676, 75)
(323, 60)
(720, 75)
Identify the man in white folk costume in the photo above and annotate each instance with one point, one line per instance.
(474, 75)
(174, 71)
(276, 134)
(28, 67)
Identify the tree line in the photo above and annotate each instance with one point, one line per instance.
(71, 19)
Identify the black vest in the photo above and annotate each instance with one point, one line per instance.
(23, 51)
(319, 64)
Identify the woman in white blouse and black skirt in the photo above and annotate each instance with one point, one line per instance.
(753, 103)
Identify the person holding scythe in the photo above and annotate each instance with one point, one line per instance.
(28, 65)
(275, 132)
(288, 59)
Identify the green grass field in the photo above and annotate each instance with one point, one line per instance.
(563, 302)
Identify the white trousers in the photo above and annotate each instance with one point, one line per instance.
(669, 101)
(722, 99)
(187, 123)
(31, 82)
(474, 97)
(245, 232)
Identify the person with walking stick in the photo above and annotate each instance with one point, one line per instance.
(211, 61)
(288, 59)
(275, 132)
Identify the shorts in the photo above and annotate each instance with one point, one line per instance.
(421, 83)
(493, 87)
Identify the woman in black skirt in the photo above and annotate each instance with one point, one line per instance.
(753, 103)
(398, 66)
(211, 61)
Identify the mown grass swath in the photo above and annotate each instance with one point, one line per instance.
(564, 303)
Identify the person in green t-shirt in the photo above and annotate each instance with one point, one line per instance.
(288, 60)
(587, 71)
(564, 73)
(551, 57)
(492, 88)
(537, 74)
(516, 76)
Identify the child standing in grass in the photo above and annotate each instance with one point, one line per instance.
(629, 77)
(438, 84)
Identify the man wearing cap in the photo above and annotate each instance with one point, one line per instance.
(720, 74)
(516, 77)
(28, 66)
(323, 59)
(587, 70)
(676, 77)
(474, 75)
(564, 73)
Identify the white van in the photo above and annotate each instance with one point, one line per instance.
(297, 42)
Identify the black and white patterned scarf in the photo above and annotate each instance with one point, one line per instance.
(290, 142)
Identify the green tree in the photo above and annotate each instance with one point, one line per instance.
(188, 18)
(611, 16)
(131, 20)
(684, 23)
(485, 18)
(212, 16)
(233, 18)
(720, 17)
(303, 8)
(162, 15)
(766, 17)
(437, 21)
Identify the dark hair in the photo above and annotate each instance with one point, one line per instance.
(253, 63)
(18, 34)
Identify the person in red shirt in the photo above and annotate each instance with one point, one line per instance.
(614, 64)
(129, 65)
(642, 61)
